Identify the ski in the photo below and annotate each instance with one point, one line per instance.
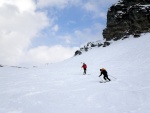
(86, 74)
(103, 81)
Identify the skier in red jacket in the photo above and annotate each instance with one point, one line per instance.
(84, 66)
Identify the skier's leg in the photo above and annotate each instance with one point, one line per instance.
(104, 78)
(85, 71)
(108, 78)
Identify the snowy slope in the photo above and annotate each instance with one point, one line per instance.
(61, 87)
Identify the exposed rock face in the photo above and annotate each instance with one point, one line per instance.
(127, 17)
(78, 53)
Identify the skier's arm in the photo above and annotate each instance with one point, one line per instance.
(100, 74)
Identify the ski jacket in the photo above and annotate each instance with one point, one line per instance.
(104, 72)
(84, 66)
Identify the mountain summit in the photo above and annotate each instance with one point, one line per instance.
(127, 17)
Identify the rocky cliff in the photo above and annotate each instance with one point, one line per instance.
(127, 17)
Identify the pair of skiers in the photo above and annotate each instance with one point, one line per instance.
(103, 71)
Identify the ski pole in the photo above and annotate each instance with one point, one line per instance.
(80, 69)
(113, 77)
(101, 79)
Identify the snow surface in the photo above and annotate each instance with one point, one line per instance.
(61, 87)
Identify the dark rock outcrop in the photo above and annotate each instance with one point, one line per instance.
(78, 53)
(127, 17)
(106, 44)
(91, 45)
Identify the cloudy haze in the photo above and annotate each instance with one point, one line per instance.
(36, 32)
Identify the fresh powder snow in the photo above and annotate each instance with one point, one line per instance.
(62, 87)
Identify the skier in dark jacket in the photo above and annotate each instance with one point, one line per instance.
(104, 72)
(84, 66)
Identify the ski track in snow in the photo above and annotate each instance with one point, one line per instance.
(61, 87)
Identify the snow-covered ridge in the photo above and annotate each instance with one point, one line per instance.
(91, 45)
(13, 66)
(98, 44)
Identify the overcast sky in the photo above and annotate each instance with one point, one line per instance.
(35, 32)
